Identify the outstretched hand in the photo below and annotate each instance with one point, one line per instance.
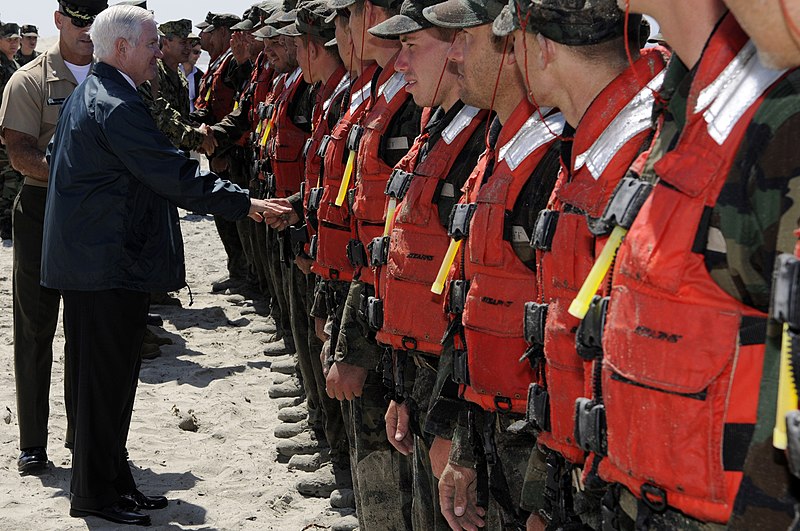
(269, 210)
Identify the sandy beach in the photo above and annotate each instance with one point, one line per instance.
(225, 475)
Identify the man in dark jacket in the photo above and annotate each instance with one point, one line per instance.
(111, 237)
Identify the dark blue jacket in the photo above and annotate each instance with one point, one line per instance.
(110, 219)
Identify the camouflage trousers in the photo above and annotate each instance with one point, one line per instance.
(382, 476)
(507, 486)
(420, 378)
(11, 181)
(308, 346)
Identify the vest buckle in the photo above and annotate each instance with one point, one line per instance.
(460, 218)
(379, 251)
(398, 184)
(323, 146)
(626, 201)
(589, 337)
(375, 313)
(786, 292)
(535, 320)
(315, 198)
(544, 230)
(590, 426)
(354, 138)
(356, 253)
(307, 147)
(458, 296)
(312, 247)
(538, 411)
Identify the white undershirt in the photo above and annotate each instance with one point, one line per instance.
(80, 72)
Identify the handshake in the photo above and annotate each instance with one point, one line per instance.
(209, 144)
(277, 213)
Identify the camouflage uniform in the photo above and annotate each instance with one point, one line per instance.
(10, 178)
(168, 97)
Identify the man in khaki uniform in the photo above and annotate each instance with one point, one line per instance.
(31, 103)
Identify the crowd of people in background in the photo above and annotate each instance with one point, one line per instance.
(534, 267)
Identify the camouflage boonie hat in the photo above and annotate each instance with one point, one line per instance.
(312, 19)
(568, 22)
(176, 28)
(9, 30)
(29, 30)
(223, 20)
(409, 20)
(206, 23)
(388, 4)
(463, 13)
(135, 3)
(286, 8)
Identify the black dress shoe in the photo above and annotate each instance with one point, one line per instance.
(117, 512)
(32, 460)
(154, 319)
(148, 503)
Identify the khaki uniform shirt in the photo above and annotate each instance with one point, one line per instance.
(33, 99)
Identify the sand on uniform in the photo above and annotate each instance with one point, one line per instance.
(225, 475)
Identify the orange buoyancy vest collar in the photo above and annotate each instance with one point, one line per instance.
(499, 282)
(372, 173)
(610, 136)
(334, 233)
(682, 358)
(286, 141)
(413, 318)
(333, 89)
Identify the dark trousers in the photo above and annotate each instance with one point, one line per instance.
(105, 331)
(35, 319)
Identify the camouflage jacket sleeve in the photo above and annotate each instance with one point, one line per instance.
(170, 122)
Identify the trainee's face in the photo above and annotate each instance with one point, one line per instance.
(279, 58)
(291, 51)
(423, 61)
(357, 31)
(303, 58)
(75, 39)
(774, 32)
(205, 41)
(140, 60)
(526, 51)
(9, 46)
(29, 44)
(343, 41)
(194, 55)
(478, 62)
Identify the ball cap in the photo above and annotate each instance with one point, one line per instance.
(568, 22)
(9, 30)
(409, 20)
(313, 18)
(29, 30)
(463, 13)
(222, 20)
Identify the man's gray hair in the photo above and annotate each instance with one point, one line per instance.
(117, 22)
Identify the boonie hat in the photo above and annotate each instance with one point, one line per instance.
(29, 30)
(9, 30)
(463, 13)
(176, 28)
(409, 20)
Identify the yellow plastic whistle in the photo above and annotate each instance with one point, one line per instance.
(348, 172)
(447, 263)
(581, 304)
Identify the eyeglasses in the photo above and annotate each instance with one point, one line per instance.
(196, 52)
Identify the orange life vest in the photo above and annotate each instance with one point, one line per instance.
(499, 282)
(412, 316)
(213, 93)
(329, 248)
(333, 89)
(682, 358)
(609, 137)
(372, 172)
(286, 141)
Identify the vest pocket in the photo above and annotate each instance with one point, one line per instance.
(666, 385)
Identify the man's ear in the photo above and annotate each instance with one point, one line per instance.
(121, 46)
(510, 58)
(547, 51)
